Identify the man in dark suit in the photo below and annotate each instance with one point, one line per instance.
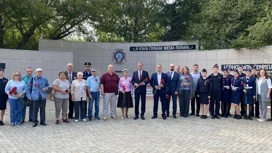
(140, 79)
(159, 82)
(70, 75)
(172, 90)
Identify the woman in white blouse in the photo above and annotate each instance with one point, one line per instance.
(79, 96)
(263, 89)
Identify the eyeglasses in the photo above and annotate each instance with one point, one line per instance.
(16, 74)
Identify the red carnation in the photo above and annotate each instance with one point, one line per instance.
(146, 79)
(124, 88)
(13, 90)
(162, 81)
(167, 96)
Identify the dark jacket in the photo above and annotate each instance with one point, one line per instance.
(217, 82)
(135, 79)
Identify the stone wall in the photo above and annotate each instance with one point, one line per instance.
(101, 54)
(51, 62)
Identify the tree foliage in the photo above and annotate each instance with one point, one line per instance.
(215, 23)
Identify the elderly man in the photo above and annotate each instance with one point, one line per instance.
(70, 75)
(26, 79)
(109, 90)
(36, 92)
(3, 96)
(93, 84)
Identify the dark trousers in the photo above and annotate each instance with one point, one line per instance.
(225, 108)
(39, 105)
(257, 110)
(30, 105)
(137, 97)
(184, 103)
(193, 100)
(174, 101)
(159, 95)
(71, 107)
(80, 108)
(215, 101)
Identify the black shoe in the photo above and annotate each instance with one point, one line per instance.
(43, 124)
(198, 115)
(153, 117)
(235, 116)
(270, 119)
(174, 116)
(217, 116)
(2, 123)
(23, 121)
(245, 117)
(167, 115)
(192, 113)
(202, 116)
(71, 117)
(221, 115)
(257, 116)
(97, 118)
(229, 115)
(185, 116)
(249, 117)
(90, 119)
(226, 116)
(213, 117)
(30, 120)
(136, 117)
(142, 117)
(205, 116)
(163, 117)
(239, 117)
(180, 115)
(34, 124)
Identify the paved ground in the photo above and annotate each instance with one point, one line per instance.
(173, 135)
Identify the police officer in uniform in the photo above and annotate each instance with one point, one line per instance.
(242, 75)
(86, 74)
(249, 93)
(217, 85)
(226, 94)
(3, 95)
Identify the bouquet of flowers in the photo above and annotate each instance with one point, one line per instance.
(145, 80)
(160, 86)
(13, 91)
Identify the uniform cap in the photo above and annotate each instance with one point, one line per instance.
(87, 64)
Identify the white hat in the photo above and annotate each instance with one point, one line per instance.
(38, 69)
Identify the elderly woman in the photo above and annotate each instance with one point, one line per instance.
(263, 89)
(186, 91)
(79, 96)
(62, 89)
(16, 88)
(125, 99)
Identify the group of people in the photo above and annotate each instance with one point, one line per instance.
(74, 91)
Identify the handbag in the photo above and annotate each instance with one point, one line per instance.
(52, 95)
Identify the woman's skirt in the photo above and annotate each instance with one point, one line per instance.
(125, 101)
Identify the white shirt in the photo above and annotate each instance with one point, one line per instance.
(159, 78)
(172, 74)
(259, 83)
(140, 73)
